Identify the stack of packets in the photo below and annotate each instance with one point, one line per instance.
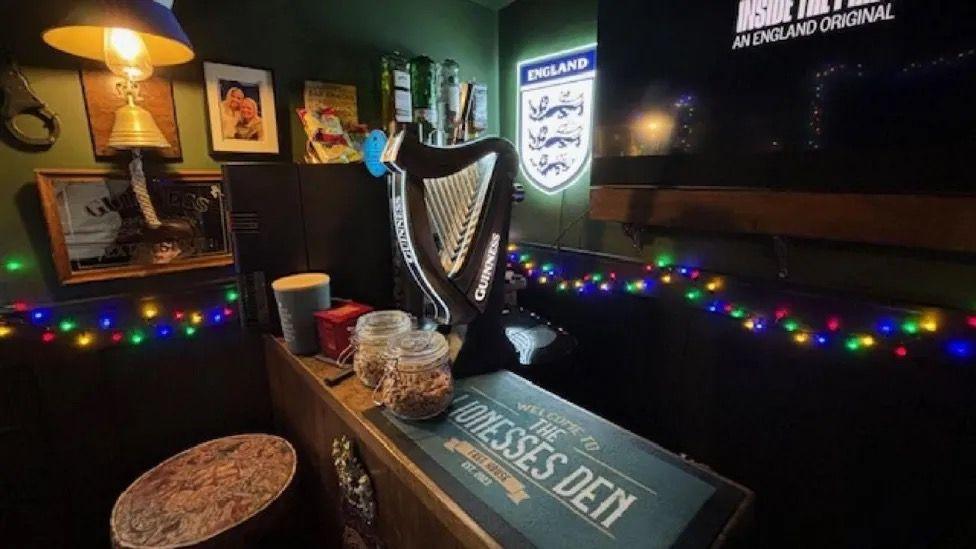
(331, 121)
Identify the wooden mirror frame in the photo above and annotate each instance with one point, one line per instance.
(59, 249)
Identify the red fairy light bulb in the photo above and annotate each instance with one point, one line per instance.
(901, 351)
(179, 315)
(971, 321)
(833, 324)
(695, 274)
(48, 337)
(20, 306)
(782, 313)
(228, 311)
(117, 337)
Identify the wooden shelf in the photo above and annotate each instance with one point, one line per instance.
(944, 223)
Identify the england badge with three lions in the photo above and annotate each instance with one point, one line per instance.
(556, 117)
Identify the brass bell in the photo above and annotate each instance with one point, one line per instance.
(135, 128)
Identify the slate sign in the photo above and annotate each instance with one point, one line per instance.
(535, 470)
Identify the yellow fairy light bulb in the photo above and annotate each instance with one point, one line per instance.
(512, 247)
(867, 341)
(929, 324)
(84, 340)
(749, 324)
(196, 318)
(5, 331)
(714, 285)
(578, 284)
(801, 338)
(150, 312)
(543, 279)
(666, 278)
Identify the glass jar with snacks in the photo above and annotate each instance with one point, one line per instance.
(418, 383)
(370, 341)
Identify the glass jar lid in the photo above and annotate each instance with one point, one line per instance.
(381, 325)
(418, 350)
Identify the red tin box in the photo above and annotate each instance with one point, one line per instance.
(335, 326)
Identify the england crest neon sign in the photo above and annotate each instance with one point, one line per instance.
(556, 117)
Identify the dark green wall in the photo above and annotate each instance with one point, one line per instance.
(530, 28)
(334, 41)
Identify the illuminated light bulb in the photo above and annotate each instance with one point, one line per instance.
(749, 324)
(605, 287)
(137, 337)
(164, 330)
(853, 344)
(578, 284)
(190, 331)
(782, 313)
(549, 267)
(179, 316)
(512, 248)
(106, 322)
(901, 351)
(232, 296)
(67, 325)
(683, 271)
(833, 324)
(6, 331)
(196, 319)
(867, 341)
(821, 340)
(693, 295)
(126, 54)
(40, 315)
(117, 337)
(217, 318)
(910, 327)
(48, 337)
(150, 312)
(563, 286)
(648, 268)
(738, 313)
(84, 340)
(613, 275)
(695, 274)
(929, 324)
(714, 307)
(666, 278)
(530, 265)
(791, 325)
(728, 308)
(960, 349)
(886, 327)
(714, 286)
(664, 261)
(530, 272)
(13, 265)
(971, 321)
(543, 279)
(640, 285)
(801, 338)
(20, 306)
(597, 277)
(524, 257)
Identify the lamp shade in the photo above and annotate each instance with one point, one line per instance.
(81, 33)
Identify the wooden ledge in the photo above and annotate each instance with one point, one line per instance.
(944, 223)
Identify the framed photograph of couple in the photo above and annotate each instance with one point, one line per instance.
(241, 107)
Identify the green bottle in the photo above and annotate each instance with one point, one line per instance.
(450, 101)
(397, 101)
(423, 78)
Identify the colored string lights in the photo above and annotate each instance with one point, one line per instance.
(132, 323)
(897, 334)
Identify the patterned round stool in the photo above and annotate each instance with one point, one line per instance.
(214, 494)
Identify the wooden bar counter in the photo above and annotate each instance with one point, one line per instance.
(588, 477)
(411, 509)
